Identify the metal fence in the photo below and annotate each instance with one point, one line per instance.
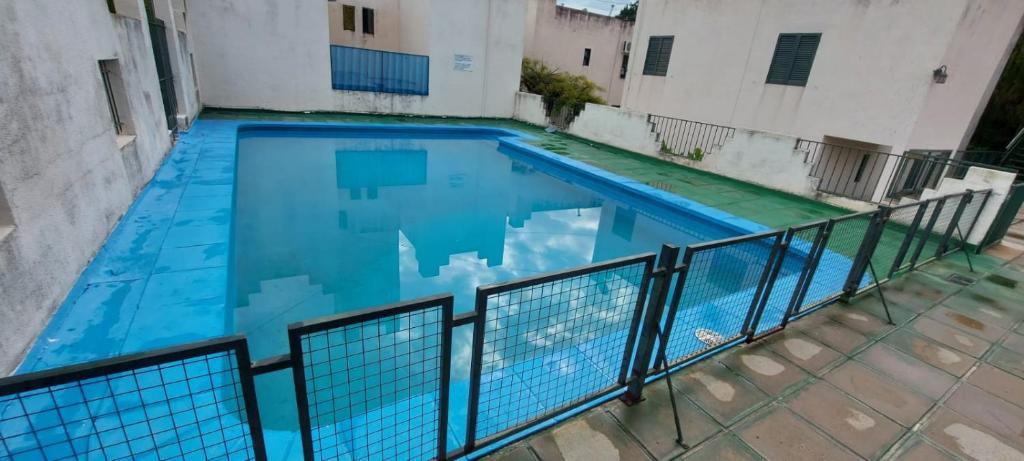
(844, 170)
(688, 138)
(376, 384)
(360, 69)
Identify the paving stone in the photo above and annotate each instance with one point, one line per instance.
(988, 410)
(804, 351)
(871, 304)
(726, 447)
(767, 370)
(918, 449)
(652, 422)
(930, 352)
(969, 439)
(1014, 342)
(968, 323)
(880, 392)
(720, 392)
(861, 322)
(518, 452)
(907, 370)
(778, 433)
(990, 314)
(918, 291)
(952, 337)
(838, 337)
(860, 428)
(999, 383)
(1008, 360)
(593, 437)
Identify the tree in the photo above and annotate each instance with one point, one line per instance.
(564, 94)
(1004, 115)
(628, 12)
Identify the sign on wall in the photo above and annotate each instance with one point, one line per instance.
(464, 62)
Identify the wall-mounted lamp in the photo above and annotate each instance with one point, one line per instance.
(939, 75)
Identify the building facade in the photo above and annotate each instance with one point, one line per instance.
(580, 42)
(885, 76)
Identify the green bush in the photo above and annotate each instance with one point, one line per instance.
(564, 94)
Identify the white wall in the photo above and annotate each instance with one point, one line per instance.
(978, 179)
(871, 78)
(529, 108)
(61, 171)
(557, 35)
(616, 127)
(263, 54)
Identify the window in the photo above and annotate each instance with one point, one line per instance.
(794, 55)
(368, 21)
(117, 97)
(6, 217)
(625, 64)
(111, 7)
(659, 49)
(860, 168)
(586, 56)
(348, 15)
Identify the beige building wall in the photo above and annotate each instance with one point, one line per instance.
(398, 25)
(558, 36)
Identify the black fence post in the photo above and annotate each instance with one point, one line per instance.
(872, 236)
(984, 201)
(652, 323)
(767, 282)
(922, 207)
(926, 235)
(810, 268)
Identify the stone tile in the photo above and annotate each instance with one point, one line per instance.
(1014, 342)
(990, 314)
(517, 452)
(906, 370)
(930, 352)
(652, 422)
(968, 323)
(999, 383)
(838, 337)
(721, 393)
(918, 449)
(193, 257)
(726, 447)
(1008, 360)
(860, 428)
(594, 436)
(990, 298)
(952, 337)
(988, 410)
(918, 291)
(859, 321)
(778, 433)
(805, 352)
(768, 371)
(880, 392)
(968, 439)
(871, 304)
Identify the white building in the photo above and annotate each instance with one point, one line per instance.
(580, 42)
(888, 76)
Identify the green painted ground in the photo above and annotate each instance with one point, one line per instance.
(758, 204)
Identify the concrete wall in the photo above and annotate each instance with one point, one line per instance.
(616, 127)
(529, 108)
(174, 13)
(557, 35)
(62, 172)
(978, 179)
(871, 80)
(263, 54)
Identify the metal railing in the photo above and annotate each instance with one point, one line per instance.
(688, 138)
(843, 170)
(375, 384)
(359, 69)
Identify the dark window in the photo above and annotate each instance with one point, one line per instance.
(860, 168)
(111, 7)
(348, 17)
(368, 21)
(659, 50)
(117, 98)
(586, 56)
(625, 64)
(794, 55)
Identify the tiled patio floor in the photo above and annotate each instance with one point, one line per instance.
(758, 204)
(947, 382)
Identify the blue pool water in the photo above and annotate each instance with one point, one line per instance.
(247, 229)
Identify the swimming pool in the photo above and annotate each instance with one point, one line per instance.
(249, 227)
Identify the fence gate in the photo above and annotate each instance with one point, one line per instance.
(158, 35)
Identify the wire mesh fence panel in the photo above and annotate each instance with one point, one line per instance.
(714, 299)
(893, 240)
(842, 244)
(549, 343)
(193, 402)
(967, 220)
(787, 287)
(932, 239)
(373, 384)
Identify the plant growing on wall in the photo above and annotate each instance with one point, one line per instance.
(564, 94)
(697, 154)
(665, 150)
